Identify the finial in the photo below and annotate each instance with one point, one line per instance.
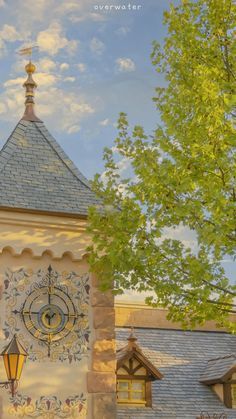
(132, 338)
(29, 85)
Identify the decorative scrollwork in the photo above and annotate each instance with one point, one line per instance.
(206, 415)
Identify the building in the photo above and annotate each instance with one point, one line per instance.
(198, 368)
(48, 297)
(67, 325)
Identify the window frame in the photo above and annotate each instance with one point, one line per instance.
(233, 385)
(227, 390)
(130, 391)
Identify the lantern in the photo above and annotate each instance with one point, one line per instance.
(14, 356)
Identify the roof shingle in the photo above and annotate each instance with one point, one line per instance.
(36, 174)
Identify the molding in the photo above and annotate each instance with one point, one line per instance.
(29, 252)
(43, 212)
(40, 234)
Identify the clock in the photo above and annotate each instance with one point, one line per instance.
(48, 312)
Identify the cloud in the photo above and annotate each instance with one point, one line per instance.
(81, 67)
(125, 65)
(42, 79)
(2, 108)
(70, 79)
(122, 31)
(68, 108)
(73, 129)
(86, 16)
(96, 46)
(68, 7)
(52, 40)
(29, 11)
(46, 65)
(2, 3)
(104, 123)
(14, 82)
(64, 66)
(8, 33)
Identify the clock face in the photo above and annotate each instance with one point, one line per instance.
(49, 314)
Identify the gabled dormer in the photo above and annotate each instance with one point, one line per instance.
(220, 374)
(135, 374)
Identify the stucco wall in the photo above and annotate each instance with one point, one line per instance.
(140, 315)
(80, 372)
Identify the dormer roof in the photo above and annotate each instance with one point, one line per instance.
(133, 351)
(218, 370)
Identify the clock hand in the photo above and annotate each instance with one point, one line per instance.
(50, 316)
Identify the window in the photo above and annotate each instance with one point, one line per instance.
(131, 392)
(233, 395)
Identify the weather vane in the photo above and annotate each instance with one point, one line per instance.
(28, 50)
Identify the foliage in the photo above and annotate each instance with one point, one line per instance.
(181, 177)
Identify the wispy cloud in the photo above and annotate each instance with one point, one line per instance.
(9, 33)
(64, 66)
(122, 31)
(81, 67)
(125, 65)
(104, 122)
(96, 46)
(69, 79)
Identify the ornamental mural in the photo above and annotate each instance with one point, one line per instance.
(49, 312)
(48, 407)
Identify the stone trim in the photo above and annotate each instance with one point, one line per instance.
(101, 380)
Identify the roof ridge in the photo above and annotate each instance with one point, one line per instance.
(222, 357)
(5, 145)
(73, 170)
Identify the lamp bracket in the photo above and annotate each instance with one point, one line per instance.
(11, 385)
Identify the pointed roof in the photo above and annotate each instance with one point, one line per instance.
(35, 173)
(133, 351)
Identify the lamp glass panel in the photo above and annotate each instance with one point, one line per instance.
(20, 366)
(13, 362)
(6, 364)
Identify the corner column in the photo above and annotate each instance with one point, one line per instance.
(101, 379)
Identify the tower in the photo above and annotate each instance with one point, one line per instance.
(48, 297)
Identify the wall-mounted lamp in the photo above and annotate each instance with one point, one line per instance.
(14, 356)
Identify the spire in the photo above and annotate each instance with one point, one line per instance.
(30, 85)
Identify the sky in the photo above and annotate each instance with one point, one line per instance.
(93, 62)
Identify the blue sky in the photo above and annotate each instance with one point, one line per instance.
(91, 65)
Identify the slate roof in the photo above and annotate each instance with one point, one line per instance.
(36, 174)
(181, 357)
(216, 369)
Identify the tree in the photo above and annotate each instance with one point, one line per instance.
(181, 176)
